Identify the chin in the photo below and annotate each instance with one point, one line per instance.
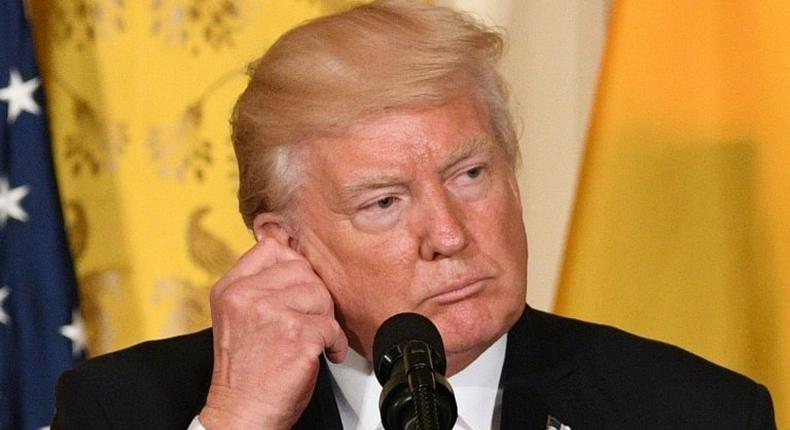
(470, 328)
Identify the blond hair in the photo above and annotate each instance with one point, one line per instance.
(321, 77)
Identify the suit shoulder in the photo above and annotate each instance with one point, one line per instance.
(609, 347)
(171, 356)
(167, 377)
(652, 378)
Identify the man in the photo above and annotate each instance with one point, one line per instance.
(377, 165)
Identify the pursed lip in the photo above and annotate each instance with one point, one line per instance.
(459, 290)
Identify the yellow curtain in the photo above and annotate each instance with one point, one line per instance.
(682, 226)
(139, 95)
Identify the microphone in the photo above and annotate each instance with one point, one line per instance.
(409, 362)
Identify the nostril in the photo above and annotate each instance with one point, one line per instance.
(444, 241)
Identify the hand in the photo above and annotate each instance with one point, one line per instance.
(272, 317)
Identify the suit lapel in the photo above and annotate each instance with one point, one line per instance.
(541, 377)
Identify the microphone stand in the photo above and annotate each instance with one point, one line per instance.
(422, 384)
(409, 363)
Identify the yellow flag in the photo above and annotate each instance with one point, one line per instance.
(682, 225)
(140, 93)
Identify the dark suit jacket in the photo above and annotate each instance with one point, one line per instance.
(587, 376)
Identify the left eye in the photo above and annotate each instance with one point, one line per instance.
(385, 202)
(474, 172)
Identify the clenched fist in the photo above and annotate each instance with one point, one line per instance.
(273, 317)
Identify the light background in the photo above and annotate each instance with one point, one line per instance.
(555, 50)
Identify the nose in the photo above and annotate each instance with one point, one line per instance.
(444, 231)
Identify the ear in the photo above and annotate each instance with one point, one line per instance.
(268, 226)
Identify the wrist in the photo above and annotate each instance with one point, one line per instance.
(227, 410)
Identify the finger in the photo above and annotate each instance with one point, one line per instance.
(309, 298)
(334, 339)
(302, 293)
(278, 277)
(262, 255)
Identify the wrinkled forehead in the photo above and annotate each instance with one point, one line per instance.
(451, 131)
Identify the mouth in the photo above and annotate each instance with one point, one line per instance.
(459, 290)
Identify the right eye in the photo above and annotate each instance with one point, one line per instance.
(385, 202)
(380, 214)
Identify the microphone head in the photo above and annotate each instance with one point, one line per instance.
(398, 329)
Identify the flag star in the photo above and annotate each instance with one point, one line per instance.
(76, 332)
(9, 201)
(4, 318)
(19, 95)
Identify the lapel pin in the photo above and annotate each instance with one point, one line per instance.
(555, 424)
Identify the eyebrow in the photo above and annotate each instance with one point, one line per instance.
(371, 184)
(470, 147)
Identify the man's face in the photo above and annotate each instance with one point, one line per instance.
(416, 211)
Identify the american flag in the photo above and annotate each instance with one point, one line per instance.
(41, 333)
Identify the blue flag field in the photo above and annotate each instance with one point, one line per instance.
(41, 333)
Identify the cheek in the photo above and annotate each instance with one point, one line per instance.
(497, 218)
(360, 268)
(499, 233)
(369, 281)
(380, 268)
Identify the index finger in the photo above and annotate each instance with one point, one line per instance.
(265, 253)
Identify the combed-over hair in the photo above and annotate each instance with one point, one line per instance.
(326, 74)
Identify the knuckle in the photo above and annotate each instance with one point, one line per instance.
(322, 297)
(313, 349)
(327, 306)
(299, 266)
(214, 294)
(239, 299)
(292, 328)
(233, 297)
(335, 327)
(315, 299)
(218, 289)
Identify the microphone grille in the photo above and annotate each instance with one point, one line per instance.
(398, 329)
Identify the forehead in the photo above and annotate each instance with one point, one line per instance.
(402, 138)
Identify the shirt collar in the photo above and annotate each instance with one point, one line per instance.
(357, 390)
(477, 385)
